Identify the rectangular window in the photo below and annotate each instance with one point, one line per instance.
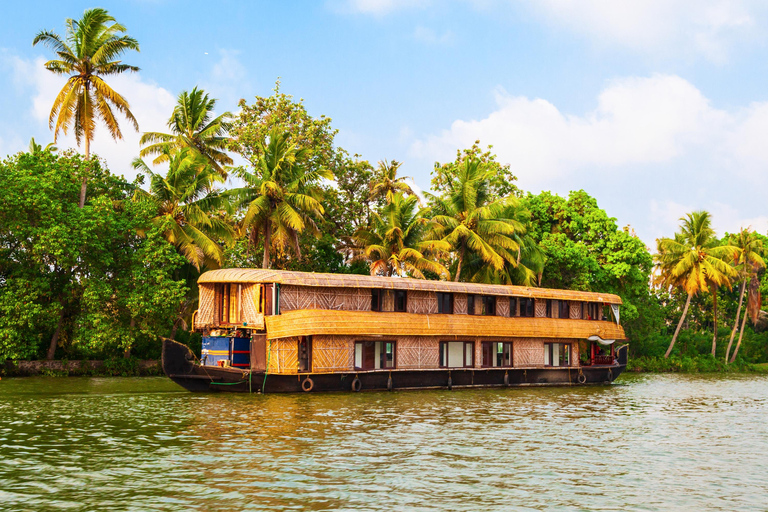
(470, 304)
(497, 354)
(489, 305)
(377, 299)
(374, 355)
(229, 303)
(557, 354)
(305, 353)
(565, 309)
(551, 307)
(593, 311)
(401, 301)
(513, 307)
(445, 303)
(457, 354)
(527, 307)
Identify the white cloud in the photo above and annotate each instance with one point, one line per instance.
(228, 80)
(706, 27)
(150, 104)
(653, 137)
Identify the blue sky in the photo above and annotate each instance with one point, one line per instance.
(655, 108)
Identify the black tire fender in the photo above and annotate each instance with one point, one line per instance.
(356, 385)
(307, 384)
(581, 379)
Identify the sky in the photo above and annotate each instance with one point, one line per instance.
(655, 108)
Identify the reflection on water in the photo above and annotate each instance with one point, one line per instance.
(645, 443)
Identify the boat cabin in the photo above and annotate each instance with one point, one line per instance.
(284, 322)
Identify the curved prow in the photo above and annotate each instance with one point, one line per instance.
(621, 354)
(177, 358)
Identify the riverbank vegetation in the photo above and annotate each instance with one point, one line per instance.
(95, 266)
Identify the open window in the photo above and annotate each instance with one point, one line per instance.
(557, 354)
(513, 311)
(305, 354)
(593, 310)
(444, 303)
(470, 304)
(527, 307)
(374, 355)
(489, 305)
(497, 354)
(564, 309)
(457, 354)
(401, 301)
(377, 299)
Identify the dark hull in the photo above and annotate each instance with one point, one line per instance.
(178, 364)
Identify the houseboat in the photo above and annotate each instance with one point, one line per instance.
(281, 331)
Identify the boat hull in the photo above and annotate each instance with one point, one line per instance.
(179, 365)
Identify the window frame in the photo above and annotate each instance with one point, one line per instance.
(382, 355)
(223, 296)
(513, 309)
(528, 301)
(378, 295)
(548, 346)
(443, 356)
(441, 296)
(564, 304)
(504, 344)
(470, 303)
(398, 294)
(488, 301)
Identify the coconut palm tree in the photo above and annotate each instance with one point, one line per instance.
(90, 51)
(192, 125)
(467, 219)
(394, 243)
(385, 182)
(189, 207)
(693, 261)
(748, 261)
(280, 198)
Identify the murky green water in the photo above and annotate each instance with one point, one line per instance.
(648, 443)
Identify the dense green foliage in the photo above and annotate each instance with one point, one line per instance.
(113, 274)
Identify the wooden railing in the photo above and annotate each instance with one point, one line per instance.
(602, 359)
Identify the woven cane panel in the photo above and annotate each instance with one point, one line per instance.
(528, 352)
(502, 306)
(389, 301)
(575, 310)
(418, 352)
(283, 355)
(574, 354)
(332, 353)
(205, 311)
(423, 303)
(248, 305)
(541, 308)
(460, 304)
(305, 297)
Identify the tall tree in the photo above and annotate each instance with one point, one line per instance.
(189, 209)
(693, 261)
(385, 183)
(467, 218)
(90, 51)
(192, 125)
(281, 196)
(749, 260)
(394, 244)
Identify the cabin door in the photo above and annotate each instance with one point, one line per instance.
(305, 354)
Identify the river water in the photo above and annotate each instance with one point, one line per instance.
(648, 442)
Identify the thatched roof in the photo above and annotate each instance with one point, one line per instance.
(286, 277)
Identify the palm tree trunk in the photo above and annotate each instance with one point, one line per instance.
(173, 331)
(458, 267)
(736, 323)
(714, 338)
(741, 333)
(679, 325)
(267, 242)
(84, 185)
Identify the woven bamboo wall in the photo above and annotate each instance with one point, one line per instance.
(206, 314)
(306, 297)
(541, 308)
(250, 314)
(502, 306)
(422, 303)
(283, 355)
(418, 352)
(460, 304)
(575, 310)
(388, 304)
(333, 353)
